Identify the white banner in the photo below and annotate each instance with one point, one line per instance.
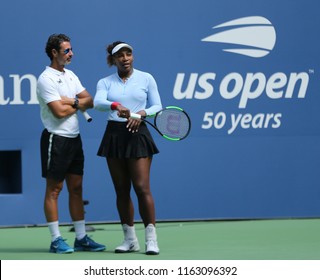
(165, 269)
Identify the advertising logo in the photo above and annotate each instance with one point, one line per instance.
(251, 36)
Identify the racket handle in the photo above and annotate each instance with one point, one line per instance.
(135, 116)
(86, 116)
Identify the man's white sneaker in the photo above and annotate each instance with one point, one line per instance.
(152, 247)
(128, 246)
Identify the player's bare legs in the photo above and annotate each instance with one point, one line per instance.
(135, 171)
(53, 189)
(122, 183)
(74, 184)
(140, 170)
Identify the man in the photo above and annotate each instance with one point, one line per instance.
(61, 95)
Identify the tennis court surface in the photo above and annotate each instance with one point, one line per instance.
(292, 239)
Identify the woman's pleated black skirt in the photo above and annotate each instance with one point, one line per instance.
(119, 142)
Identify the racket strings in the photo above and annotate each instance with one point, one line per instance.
(173, 123)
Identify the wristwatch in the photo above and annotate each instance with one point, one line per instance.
(76, 103)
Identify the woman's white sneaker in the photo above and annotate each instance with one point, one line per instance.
(128, 246)
(152, 247)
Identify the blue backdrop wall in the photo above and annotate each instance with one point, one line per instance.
(246, 71)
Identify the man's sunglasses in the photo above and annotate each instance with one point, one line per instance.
(66, 51)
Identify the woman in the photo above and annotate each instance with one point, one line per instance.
(127, 143)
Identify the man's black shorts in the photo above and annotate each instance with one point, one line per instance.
(60, 156)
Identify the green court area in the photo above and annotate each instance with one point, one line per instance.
(293, 239)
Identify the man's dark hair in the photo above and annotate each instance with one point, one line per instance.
(54, 42)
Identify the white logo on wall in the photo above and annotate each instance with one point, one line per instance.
(252, 36)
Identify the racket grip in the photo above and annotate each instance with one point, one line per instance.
(135, 116)
(86, 116)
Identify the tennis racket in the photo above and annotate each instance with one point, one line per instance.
(86, 116)
(172, 122)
